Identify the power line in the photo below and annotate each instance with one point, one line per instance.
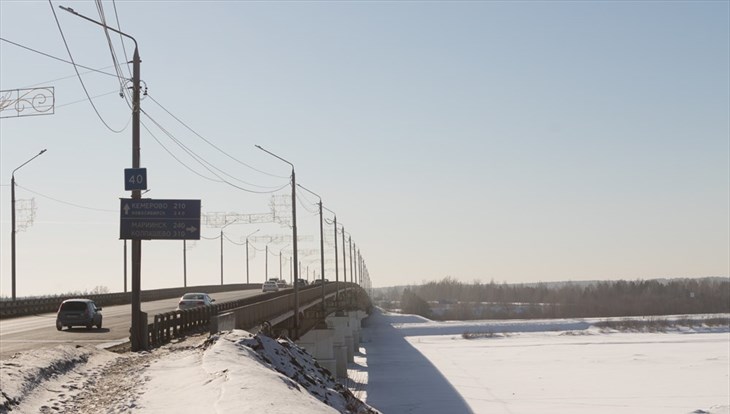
(238, 244)
(77, 71)
(61, 60)
(66, 202)
(117, 67)
(119, 27)
(207, 165)
(211, 144)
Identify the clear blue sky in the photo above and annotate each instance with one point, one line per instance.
(506, 141)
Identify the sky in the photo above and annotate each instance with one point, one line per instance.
(508, 141)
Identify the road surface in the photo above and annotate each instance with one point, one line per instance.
(31, 332)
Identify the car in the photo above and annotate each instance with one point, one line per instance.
(78, 312)
(281, 283)
(192, 300)
(270, 286)
(302, 282)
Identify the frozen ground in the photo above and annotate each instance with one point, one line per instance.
(406, 364)
(551, 366)
(234, 372)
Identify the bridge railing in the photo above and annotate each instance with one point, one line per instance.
(249, 312)
(25, 307)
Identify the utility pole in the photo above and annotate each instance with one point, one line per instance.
(294, 240)
(251, 234)
(349, 239)
(344, 258)
(125, 265)
(185, 263)
(321, 241)
(221, 257)
(12, 199)
(337, 272)
(266, 268)
(137, 333)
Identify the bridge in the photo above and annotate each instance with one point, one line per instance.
(327, 326)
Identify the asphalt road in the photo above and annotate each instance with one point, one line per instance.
(38, 331)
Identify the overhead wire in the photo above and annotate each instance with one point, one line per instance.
(61, 60)
(207, 165)
(66, 202)
(123, 92)
(236, 243)
(176, 158)
(210, 143)
(84, 100)
(58, 23)
(119, 27)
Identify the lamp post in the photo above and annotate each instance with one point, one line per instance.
(138, 339)
(337, 277)
(294, 239)
(224, 226)
(321, 239)
(251, 234)
(280, 250)
(266, 261)
(12, 201)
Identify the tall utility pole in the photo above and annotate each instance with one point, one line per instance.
(354, 262)
(337, 278)
(280, 250)
(12, 213)
(321, 240)
(294, 240)
(137, 340)
(250, 234)
(344, 258)
(349, 239)
(266, 257)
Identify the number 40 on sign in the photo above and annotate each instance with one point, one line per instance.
(135, 179)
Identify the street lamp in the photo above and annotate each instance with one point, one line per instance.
(251, 234)
(224, 226)
(280, 250)
(337, 272)
(138, 337)
(12, 201)
(321, 239)
(294, 239)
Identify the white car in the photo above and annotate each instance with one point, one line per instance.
(191, 300)
(270, 286)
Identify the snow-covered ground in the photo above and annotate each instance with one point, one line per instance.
(406, 364)
(544, 366)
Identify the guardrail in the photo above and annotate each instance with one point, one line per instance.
(249, 312)
(25, 307)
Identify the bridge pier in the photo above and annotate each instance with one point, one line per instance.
(320, 344)
(343, 336)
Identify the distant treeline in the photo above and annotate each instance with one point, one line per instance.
(451, 299)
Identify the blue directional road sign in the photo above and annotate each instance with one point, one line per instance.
(150, 219)
(135, 179)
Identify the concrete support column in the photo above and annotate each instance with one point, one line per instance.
(342, 343)
(355, 327)
(320, 344)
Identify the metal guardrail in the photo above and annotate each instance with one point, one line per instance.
(249, 312)
(25, 307)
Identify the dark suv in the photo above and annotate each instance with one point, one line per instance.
(78, 312)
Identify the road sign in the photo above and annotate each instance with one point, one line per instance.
(155, 219)
(135, 179)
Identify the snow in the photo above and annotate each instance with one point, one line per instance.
(406, 364)
(544, 366)
(231, 372)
